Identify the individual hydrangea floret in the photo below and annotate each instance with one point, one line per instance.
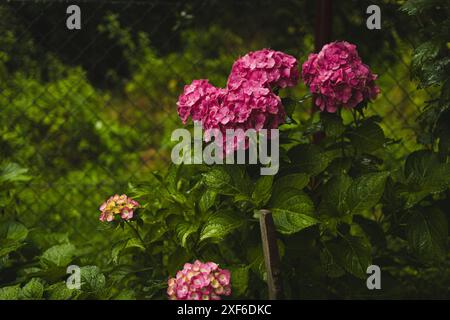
(200, 281)
(338, 77)
(118, 206)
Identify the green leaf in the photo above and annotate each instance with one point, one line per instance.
(120, 247)
(134, 243)
(239, 280)
(92, 280)
(59, 255)
(184, 230)
(289, 106)
(291, 181)
(414, 7)
(425, 174)
(292, 212)
(12, 172)
(219, 225)
(34, 289)
(217, 178)
(368, 137)
(332, 124)
(353, 254)
(126, 295)
(366, 191)
(59, 291)
(263, 191)
(7, 246)
(16, 231)
(227, 181)
(334, 196)
(310, 159)
(329, 264)
(117, 249)
(427, 232)
(10, 293)
(207, 200)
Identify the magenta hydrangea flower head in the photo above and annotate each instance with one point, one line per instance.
(118, 206)
(338, 78)
(248, 101)
(268, 67)
(200, 281)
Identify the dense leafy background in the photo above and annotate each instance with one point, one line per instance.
(88, 114)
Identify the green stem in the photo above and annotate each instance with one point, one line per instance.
(137, 234)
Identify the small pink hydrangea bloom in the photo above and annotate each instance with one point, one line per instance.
(199, 281)
(338, 78)
(118, 205)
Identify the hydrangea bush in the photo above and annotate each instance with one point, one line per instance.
(336, 207)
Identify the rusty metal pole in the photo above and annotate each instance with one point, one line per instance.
(271, 255)
(322, 36)
(323, 23)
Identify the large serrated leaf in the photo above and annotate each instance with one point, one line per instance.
(16, 231)
(427, 232)
(10, 293)
(219, 225)
(425, 174)
(228, 180)
(334, 196)
(184, 230)
(59, 255)
(263, 190)
(207, 200)
(34, 289)
(310, 159)
(92, 280)
(365, 191)
(353, 254)
(239, 279)
(291, 181)
(292, 211)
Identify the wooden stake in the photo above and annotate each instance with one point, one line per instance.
(271, 255)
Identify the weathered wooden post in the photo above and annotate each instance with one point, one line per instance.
(271, 255)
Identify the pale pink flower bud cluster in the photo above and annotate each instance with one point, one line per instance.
(199, 281)
(248, 101)
(338, 77)
(118, 206)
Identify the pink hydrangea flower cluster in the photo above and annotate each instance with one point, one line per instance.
(199, 281)
(338, 77)
(116, 205)
(248, 101)
(267, 67)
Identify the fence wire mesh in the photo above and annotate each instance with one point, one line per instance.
(88, 111)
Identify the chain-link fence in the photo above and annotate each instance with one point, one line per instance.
(88, 111)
